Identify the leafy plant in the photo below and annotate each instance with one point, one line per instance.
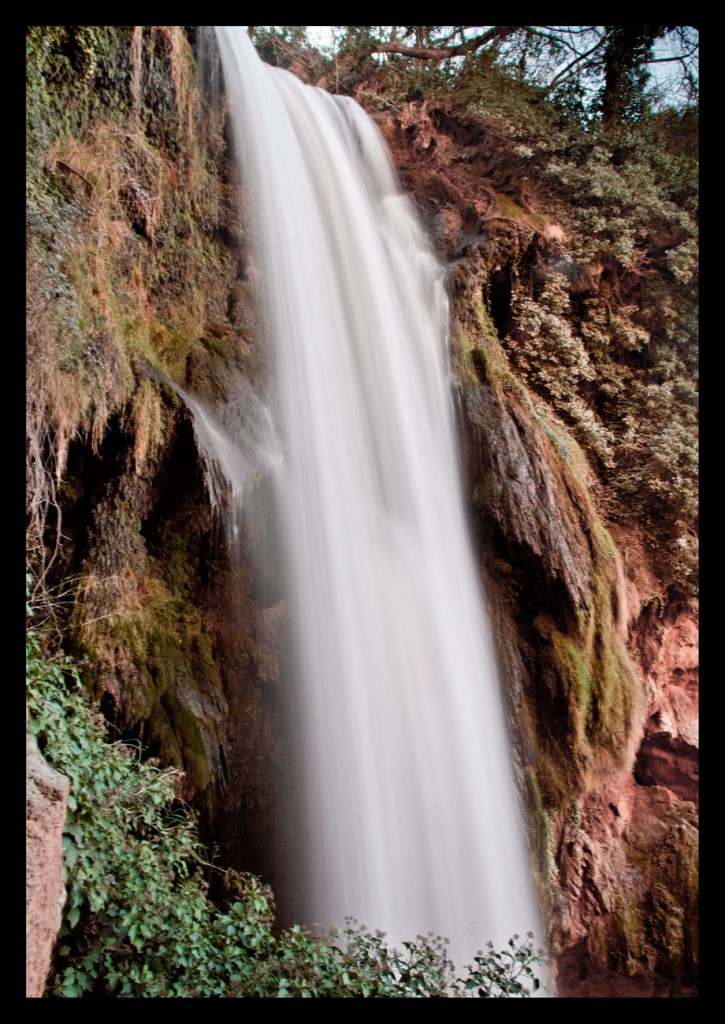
(138, 922)
(555, 361)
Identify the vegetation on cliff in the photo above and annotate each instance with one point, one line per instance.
(138, 921)
(133, 260)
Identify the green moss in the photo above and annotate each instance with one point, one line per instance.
(173, 657)
(576, 677)
(462, 348)
(590, 669)
(184, 728)
(617, 689)
(211, 368)
(476, 351)
(180, 564)
(545, 870)
(558, 760)
(559, 765)
(151, 641)
(125, 199)
(603, 539)
(506, 207)
(159, 728)
(478, 355)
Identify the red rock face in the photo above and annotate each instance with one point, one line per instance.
(593, 982)
(668, 653)
(46, 801)
(631, 857)
(424, 157)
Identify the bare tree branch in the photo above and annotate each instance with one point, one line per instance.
(537, 31)
(499, 32)
(675, 57)
(577, 60)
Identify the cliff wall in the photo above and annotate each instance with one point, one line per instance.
(595, 615)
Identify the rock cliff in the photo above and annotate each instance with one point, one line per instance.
(602, 667)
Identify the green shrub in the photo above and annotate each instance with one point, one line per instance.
(549, 353)
(137, 921)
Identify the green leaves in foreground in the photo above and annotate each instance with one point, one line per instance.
(137, 921)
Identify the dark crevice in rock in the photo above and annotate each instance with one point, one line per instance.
(500, 292)
(666, 761)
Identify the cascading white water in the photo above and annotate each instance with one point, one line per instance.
(413, 821)
(236, 444)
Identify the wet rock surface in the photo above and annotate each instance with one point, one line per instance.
(523, 489)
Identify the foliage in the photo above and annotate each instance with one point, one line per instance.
(129, 852)
(288, 46)
(619, 210)
(602, 70)
(626, 55)
(137, 919)
(608, 333)
(557, 363)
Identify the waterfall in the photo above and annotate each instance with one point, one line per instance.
(412, 821)
(236, 444)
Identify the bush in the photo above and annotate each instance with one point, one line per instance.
(137, 921)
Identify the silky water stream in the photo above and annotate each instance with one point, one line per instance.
(412, 821)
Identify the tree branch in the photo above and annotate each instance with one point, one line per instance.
(565, 71)
(668, 60)
(499, 32)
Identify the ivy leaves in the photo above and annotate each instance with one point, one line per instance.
(137, 921)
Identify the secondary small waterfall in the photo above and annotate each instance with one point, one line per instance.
(411, 811)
